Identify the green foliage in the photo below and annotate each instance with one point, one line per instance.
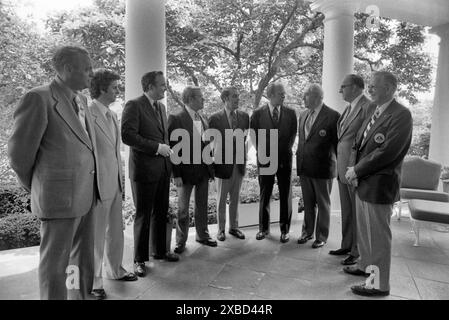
(18, 231)
(14, 200)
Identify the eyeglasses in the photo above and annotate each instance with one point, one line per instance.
(345, 86)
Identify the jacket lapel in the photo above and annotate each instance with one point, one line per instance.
(98, 118)
(383, 117)
(317, 123)
(358, 109)
(64, 108)
(225, 120)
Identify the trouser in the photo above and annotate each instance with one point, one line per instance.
(232, 187)
(348, 218)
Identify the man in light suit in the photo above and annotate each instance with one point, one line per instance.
(229, 175)
(144, 129)
(349, 123)
(275, 116)
(109, 239)
(375, 170)
(193, 174)
(52, 149)
(316, 164)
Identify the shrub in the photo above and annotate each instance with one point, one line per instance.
(14, 200)
(19, 231)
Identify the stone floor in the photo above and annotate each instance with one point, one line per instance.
(250, 269)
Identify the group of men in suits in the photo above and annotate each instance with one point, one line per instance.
(71, 165)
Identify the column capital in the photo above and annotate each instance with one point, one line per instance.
(442, 31)
(335, 8)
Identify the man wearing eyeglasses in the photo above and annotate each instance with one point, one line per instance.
(349, 123)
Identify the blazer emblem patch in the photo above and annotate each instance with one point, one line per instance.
(323, 133)
(379, 138)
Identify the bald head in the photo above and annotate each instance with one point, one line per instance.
(313, 96)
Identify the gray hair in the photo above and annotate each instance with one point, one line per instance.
(272, 88)
(188, 93)
(316, 89)
(67, 55)
(387, 77)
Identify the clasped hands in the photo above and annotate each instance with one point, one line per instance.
(351, 176)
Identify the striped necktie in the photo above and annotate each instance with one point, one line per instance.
(374, 117)
(81, 112)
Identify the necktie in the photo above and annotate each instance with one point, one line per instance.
(276, 115)
(111, 123)
(80, 111)
(309, 123)
(374, 117)
(348, 111)
(234, 119)
(158, 113)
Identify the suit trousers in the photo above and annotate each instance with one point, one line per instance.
(151, 201)
(64, 243)
(109, 240)
(317, 207)
(348, 218)
(232, 187)
(285, 198)
(374, 238)
(200, 211)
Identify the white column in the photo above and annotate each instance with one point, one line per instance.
(145, 50)
(439, 147)
(338, 57)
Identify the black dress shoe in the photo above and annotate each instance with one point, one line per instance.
(237, 233)
(208, 242)
(349, 260)
(128, 277)
(99, 294)
(355, 271)
(339, 252)
(139, 269)
(285, 237)
(262, 234)
(304, 239)
(171, 257)
(179, 249)
(362, 290)
(221, 235)
(318, 244)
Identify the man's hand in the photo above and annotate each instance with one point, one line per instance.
(178, 182)
(164, 150)
(351, 176)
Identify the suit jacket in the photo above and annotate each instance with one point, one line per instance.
(219, 121)
(142, 131)
(108, 149)
(287, 126)
(346, 134)
(190, 173)
(378, 160)
(52, 155)
(316, 154)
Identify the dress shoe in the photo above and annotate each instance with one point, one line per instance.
(304, 239)
(99, 294)
(362, 290)
(128, 277)
(318, 244)
(179, 249)
(221, 235)
(139, 269)
(237, 233)
(285, 237)
(349, 260)
(355, 271)
(339, 252)
(208, 242)
(261, 235)
(171, 257)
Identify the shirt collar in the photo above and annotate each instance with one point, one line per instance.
(272, 108)
(149, 99)
(385, 105)
(101, 106)
(69, 93)
(191, 112)
(355, 101)
(317, 109)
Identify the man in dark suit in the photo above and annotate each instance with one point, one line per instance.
(52, 149)
(316, 164)
(194, 172)
(275, 116)
(375, 170)
(109, 240)
(349, 123)
(229, 175)
(144, 129)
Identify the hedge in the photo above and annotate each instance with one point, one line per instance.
(19, 231)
